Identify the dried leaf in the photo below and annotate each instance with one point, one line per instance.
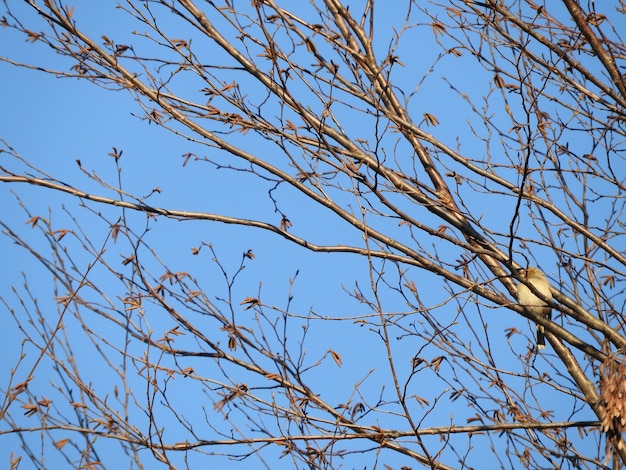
(121, 48)
(422, 401)
(30, 408)
(192, 295)
(436, 363)
(411, 286)
(32, 36)
(156, 116)
(44, 402)
(115, 230)
(608, 280)
(179, 43)
(61, 443)
(60, 233)
(454, 11)
(475, 418)
(251, 302)
(438, 28)
(291, 126)
(175, 331)
(33, 221)
(132, 302)
(128, 260)
(64, 299)
(499, 82)
(336, 357)
(285, 224)
(115, 154)
(431, 120)
(356, 409)
(595, 18)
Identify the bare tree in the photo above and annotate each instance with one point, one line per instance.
(434, 149)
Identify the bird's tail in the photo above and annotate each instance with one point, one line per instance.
(541, 337)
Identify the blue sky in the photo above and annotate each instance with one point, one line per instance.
(53, 122)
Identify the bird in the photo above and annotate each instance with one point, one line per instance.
(534, 304)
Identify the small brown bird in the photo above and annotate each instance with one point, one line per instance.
(533, 303)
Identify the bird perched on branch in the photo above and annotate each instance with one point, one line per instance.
(534, 304)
